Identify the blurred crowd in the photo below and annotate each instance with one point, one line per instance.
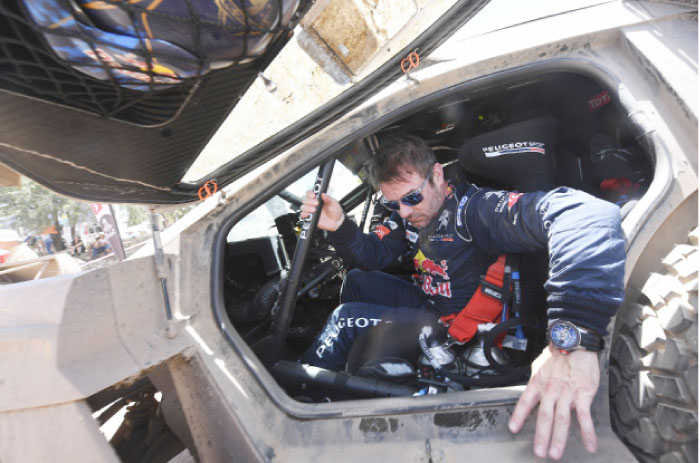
(14, 249)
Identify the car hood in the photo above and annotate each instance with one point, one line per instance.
(91, 118)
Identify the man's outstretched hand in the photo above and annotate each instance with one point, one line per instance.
(559, 383)
(331, 215)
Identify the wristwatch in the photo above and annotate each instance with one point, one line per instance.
(568, 337)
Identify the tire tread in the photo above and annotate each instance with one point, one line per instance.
(654, 362)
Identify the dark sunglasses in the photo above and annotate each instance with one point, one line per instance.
(413, 198)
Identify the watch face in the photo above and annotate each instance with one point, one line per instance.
(564, 335)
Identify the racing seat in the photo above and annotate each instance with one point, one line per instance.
(518, 156)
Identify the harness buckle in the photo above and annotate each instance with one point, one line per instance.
(450, 341)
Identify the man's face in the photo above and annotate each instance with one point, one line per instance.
(421, 214)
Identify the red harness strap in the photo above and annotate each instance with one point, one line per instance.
(485, 306)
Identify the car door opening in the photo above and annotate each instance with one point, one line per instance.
(559, 129)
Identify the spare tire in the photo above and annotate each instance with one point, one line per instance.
(654, 363)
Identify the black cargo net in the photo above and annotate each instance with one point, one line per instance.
(138, 61)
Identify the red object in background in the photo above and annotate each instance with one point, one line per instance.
(50, 230)
(619, 185)
(105, 217)
(598, 101)
(96, 208)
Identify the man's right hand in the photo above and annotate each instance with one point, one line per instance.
(332, 215)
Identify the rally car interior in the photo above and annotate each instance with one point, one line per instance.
(282, 277)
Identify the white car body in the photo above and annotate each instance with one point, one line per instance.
(79, 334)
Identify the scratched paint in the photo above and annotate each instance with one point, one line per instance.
(379, 425)
(471, 419)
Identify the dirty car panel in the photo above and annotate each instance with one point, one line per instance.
(595, 70)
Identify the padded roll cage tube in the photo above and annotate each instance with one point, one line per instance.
(290, 284)
(365, 208)
(339, 381)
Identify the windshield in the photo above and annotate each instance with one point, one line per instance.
(261, 222)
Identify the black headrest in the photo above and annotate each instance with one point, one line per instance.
(520, 155)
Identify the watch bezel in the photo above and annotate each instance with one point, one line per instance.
(556, 340)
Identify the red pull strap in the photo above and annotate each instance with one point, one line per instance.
(496, 271)
(481, 308)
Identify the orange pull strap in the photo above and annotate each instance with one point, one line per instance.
(410, 62)
(208, 189)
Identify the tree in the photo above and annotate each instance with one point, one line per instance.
(173, 215)
(35, 208)
(137, 214)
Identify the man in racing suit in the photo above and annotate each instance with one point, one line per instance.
(453, 234)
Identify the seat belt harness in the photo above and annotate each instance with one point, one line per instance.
(485, 306)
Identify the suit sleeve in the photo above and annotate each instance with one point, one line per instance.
(584, 240)
(372, 251)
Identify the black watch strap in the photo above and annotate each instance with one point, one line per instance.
(592, 342)
(586, 339)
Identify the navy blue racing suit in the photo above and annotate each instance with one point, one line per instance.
(581, 233)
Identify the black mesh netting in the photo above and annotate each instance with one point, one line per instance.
(137, 60)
